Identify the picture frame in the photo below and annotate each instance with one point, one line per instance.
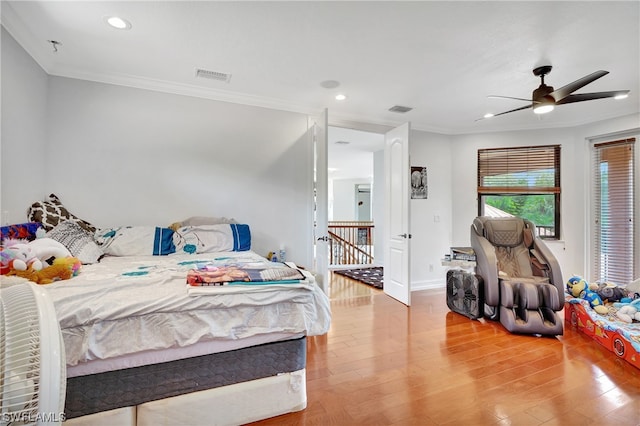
(418, 182)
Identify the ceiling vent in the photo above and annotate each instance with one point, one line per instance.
(342, 142)
(213, 75)
(400, 109)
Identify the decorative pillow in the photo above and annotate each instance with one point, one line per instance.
(212, 238)
(77, 240)
(20, 231)
(51, 212)
(135, 241)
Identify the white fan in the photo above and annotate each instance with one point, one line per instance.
(32, 361)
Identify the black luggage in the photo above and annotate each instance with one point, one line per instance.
(465, 293)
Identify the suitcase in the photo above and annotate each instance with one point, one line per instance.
(465, 293)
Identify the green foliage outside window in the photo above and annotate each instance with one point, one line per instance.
(538, 208)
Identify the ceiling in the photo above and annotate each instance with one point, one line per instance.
(441, 58)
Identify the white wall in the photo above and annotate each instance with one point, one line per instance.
(131, 157)
(431, 218)
(24, 118)
(123, 156)
(344, 198)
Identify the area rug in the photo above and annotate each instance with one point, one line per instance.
(371, 276)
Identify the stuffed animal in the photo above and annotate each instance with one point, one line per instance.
(47, 248)
(18, 255)
(579, 287)
(633, 288)
(22, 254)
(610, 292)
(628, 312)
(62, 269)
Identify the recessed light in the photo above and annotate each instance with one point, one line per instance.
(621, 96)
(341, 97)
(118, 23)
(488, 115)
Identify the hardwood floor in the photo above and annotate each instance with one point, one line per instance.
(382, 363)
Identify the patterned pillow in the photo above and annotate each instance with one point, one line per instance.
(77, 240)
(51, 212)
(212, 238)
(135, 241)
(20, 231)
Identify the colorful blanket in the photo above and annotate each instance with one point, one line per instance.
(253, 273)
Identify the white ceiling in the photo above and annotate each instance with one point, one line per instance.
(351, 153)
(441, 58)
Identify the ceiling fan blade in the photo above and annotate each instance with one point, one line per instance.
(507, 97)
(506, 112)
(591, 96)
(565, 91)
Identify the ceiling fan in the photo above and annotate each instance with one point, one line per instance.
(545, 98)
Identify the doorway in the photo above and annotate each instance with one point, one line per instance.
(355, 197)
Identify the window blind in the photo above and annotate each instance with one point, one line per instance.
(532, 169)
(613, 211)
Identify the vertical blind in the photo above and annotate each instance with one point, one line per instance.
(519, 170)
(613, 211)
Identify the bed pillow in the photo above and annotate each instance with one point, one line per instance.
(201, 220)
(135, 241)
(51, 212)
(20, 231)
(212, 238)
(77, 240)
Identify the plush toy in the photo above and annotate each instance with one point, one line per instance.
(628, 312)
(19, 255)
(62, 269)
(579, 287)
(633, 288)
(610, 292)
(47, 248)
(22, 254)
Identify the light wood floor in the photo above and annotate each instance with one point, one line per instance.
(382, 363)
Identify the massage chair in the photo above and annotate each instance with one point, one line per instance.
(523, 286)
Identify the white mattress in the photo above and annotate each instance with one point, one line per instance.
(127, 305)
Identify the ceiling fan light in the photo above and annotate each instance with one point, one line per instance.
(543, 108)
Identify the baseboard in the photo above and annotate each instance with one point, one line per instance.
(428, 285)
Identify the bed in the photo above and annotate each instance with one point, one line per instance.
(619, 337)
(145, 348)
(140, 347)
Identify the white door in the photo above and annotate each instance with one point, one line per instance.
(321, 200)
(397, 239)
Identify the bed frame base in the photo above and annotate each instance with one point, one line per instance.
(235, 404)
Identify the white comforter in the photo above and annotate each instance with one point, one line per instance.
(125, 305)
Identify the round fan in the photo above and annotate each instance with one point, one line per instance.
(545, 98)
(32, 361)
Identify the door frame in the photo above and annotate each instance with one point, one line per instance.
(372, 128)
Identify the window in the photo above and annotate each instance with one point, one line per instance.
(612, 235)
(523, 182)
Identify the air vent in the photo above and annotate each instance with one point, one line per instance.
(400, 109)
(342, 142)
(213, 75)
